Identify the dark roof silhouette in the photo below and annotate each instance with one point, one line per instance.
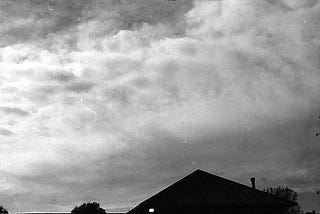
(202, 188)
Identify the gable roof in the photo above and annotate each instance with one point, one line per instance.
(203, 188)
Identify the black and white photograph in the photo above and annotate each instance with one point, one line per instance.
(159, 106)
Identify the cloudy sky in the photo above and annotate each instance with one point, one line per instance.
(113, 100)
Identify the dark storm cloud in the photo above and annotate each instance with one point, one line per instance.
(127, 14)
(14, 111)
(35, 19)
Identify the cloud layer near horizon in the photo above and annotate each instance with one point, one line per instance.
(110, 100)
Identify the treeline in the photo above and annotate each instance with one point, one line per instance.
(85, 208)
(283, 193)
(288, 194)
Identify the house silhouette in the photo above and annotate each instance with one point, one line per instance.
(202, 192)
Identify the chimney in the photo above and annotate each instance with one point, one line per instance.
(253, 184)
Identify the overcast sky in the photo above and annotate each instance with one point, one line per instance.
(113, 100)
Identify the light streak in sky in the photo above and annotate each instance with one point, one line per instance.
(88, 110)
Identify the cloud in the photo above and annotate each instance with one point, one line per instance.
(35, 20)
(51, 19)
(160, 88)
(6, 132)
(14, 110)
(79, 87)
(61, 76)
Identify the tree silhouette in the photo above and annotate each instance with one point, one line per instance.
(3, 210)
(88, 208)
(286, 194)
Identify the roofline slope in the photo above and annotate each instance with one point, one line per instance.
(168, 188)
